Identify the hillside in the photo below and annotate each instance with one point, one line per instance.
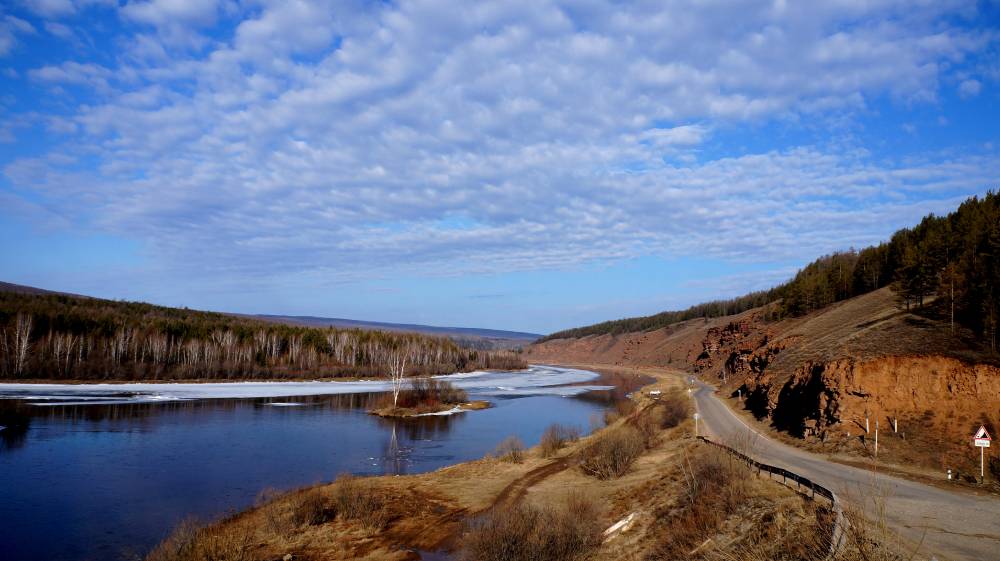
(818, 376)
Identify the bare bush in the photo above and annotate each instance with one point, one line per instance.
(867, 535)
(676, 409)
(432, 390)
(714, 487)
(612, 453)
(511, 450)
(354, 500)
(555, 437)
(308, 507)
(569, 530)
(189, 542)
(276, 520)
(649, 425)
(623, 408)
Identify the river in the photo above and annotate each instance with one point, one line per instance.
(104, 471)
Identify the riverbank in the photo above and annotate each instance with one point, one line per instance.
(397, 518)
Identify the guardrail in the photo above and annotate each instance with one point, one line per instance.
(802, 484)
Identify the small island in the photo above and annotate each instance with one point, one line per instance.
(427, 396)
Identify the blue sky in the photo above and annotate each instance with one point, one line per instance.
(516, 165)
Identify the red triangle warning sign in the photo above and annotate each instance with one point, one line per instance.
(981, 434)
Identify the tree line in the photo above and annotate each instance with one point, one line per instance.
(55, 336)
(953, 260)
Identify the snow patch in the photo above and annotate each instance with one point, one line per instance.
(452, 411)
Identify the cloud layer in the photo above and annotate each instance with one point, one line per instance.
(344, 140)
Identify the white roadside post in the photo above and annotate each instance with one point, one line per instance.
(876, 438)
(982, 440)
(696, 417)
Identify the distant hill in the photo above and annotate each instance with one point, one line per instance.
(453, 332)
(22, 289)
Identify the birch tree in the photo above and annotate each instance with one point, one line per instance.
(397, 368)
(22, 344)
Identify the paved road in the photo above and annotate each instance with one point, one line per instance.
(954, 526)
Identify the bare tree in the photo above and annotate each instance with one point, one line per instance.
(397, 368)
(22, 336)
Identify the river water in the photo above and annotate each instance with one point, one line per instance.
(103, 472)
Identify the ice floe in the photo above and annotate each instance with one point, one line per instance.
(536, 380)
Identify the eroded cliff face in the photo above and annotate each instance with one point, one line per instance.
(841, 394)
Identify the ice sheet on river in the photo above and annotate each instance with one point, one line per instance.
(537, 380)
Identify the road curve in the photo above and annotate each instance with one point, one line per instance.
(952, 526)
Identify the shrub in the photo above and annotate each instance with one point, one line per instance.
(612, 453)
(308, 507)
(353, 500)
(623, 408)
(649, 424)
(424, 392)
(511, 449)
(676, 409)
(189, 542)
(567, 531)
(557, 436)
(714, 487)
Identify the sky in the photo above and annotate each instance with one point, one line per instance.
(515, 165)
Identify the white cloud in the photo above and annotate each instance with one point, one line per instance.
(59, 30)
(10, 28)
(165, 12)
(62, 8)
(91, 75)
(969, 88)
(51, 8)
(336, 139)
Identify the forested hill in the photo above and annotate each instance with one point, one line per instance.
(954, 258)
(46, 335)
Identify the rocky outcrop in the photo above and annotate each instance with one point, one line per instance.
(846, 392)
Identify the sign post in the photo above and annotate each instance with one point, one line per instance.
(982, 440)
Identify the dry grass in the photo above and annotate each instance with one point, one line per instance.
(867, 536)
(565, 531)
(190, 542)
(714, 488)
(556, 437)
(510, 450)
(351, 498)
(280, 517)
(611, 453)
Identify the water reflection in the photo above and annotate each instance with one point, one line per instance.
(104, 477)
